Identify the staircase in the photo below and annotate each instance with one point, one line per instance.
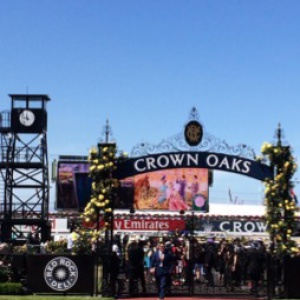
(2, 193)
(4, 130)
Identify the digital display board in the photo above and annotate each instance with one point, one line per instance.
(73, 185)
(74, 188)
(181, 189)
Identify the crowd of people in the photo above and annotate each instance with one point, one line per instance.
(176, 260)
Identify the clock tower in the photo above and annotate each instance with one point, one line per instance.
(24, 168)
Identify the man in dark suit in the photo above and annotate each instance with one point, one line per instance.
(255, 265)
(162, 261)
(136, 263)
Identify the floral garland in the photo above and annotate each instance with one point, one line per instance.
(102, 165)
(280, 205)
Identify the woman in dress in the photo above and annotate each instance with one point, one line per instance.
(175, 200)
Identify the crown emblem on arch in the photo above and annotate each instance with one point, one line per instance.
(193, 133)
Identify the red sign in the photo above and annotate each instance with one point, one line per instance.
(142, 224)
(148, 224)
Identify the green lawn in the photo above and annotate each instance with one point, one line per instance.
(51, 297)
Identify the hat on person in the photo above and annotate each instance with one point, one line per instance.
(115, 248)
(255, 245)
(168, 245)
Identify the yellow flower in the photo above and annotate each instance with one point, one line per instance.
(265, 147)
(93, 150)
(74, 236)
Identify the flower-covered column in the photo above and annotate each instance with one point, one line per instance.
(100, 208)
(102, 165)
(280, 203)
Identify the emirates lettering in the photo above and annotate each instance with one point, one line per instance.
(142, 225)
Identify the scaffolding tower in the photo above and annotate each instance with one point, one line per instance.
(24, 181)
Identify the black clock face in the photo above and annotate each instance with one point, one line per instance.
(27, 117)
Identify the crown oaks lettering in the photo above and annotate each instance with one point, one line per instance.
(172, 160)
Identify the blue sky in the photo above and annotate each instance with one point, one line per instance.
(145, 64)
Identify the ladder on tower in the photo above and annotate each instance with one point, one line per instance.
(2, 195)
(5, 128)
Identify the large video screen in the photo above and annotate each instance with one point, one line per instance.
(173, 190)
(73, 185)
(74, 188)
